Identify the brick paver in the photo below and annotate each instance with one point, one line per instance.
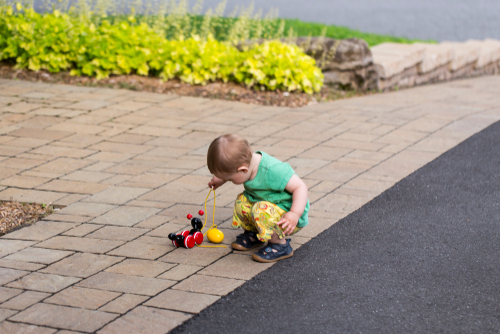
(41, 231)
(43, 282)
(82, 298)
(38, 255)
(25, 300)
(77, 319)
(8, 293)
(127, 167)
(20, 265)
(182, 301)
(124, 303)
(138, 285)
(81, 265)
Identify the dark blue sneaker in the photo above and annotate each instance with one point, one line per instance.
(266, 254)
(244, 243)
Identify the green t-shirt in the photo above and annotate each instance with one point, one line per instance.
(269, 185)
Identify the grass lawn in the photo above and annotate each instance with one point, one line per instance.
(316, 29)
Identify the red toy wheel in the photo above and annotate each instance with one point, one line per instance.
(175, 243)
(189, 241)
(185, 233)
(198, 238)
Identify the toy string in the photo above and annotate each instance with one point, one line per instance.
(213, 220)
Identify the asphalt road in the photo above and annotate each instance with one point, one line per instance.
(452, 20)
(422, 257)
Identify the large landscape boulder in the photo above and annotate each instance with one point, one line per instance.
(346, 62)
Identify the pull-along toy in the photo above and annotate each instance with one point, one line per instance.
(194, 237)
(188, 239)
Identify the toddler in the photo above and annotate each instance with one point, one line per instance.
(274, 203)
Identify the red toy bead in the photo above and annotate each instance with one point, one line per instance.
(198, 238)
(189, 241)
(201, 212)
(189, 216)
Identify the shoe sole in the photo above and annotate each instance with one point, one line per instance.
(239, 247)
(259, 259)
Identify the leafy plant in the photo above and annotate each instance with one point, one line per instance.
(276, 65)
(55, 42)
(35, 41)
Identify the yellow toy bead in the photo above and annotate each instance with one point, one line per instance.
(215, 236)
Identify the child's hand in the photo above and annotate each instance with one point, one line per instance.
(288, 222)
(215, 183)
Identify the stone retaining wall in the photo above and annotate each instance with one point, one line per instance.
(404, 65)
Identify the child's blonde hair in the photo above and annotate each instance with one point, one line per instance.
(227, 153)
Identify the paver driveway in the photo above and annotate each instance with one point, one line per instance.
(129, 166)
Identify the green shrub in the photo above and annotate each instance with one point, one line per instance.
(277, 65)
(36, 42)
(198, 61)
(113, 49)
(55, 42)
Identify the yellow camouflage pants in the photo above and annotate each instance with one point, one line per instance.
(259, 217)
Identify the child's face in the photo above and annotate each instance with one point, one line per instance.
(237, 178)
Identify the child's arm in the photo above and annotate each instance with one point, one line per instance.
(298, 189)
(215, 183)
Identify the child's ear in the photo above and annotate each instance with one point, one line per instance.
(243, 169)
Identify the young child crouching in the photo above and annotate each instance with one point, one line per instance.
(274, 203)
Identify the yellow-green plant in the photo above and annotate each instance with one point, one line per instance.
(197, 61)
(114, 49)
(55, 42)
(36, 41)
(276, 65)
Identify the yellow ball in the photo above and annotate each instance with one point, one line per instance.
(215, 236)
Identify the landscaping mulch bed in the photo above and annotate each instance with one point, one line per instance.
(14, 214)
(216, 90)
